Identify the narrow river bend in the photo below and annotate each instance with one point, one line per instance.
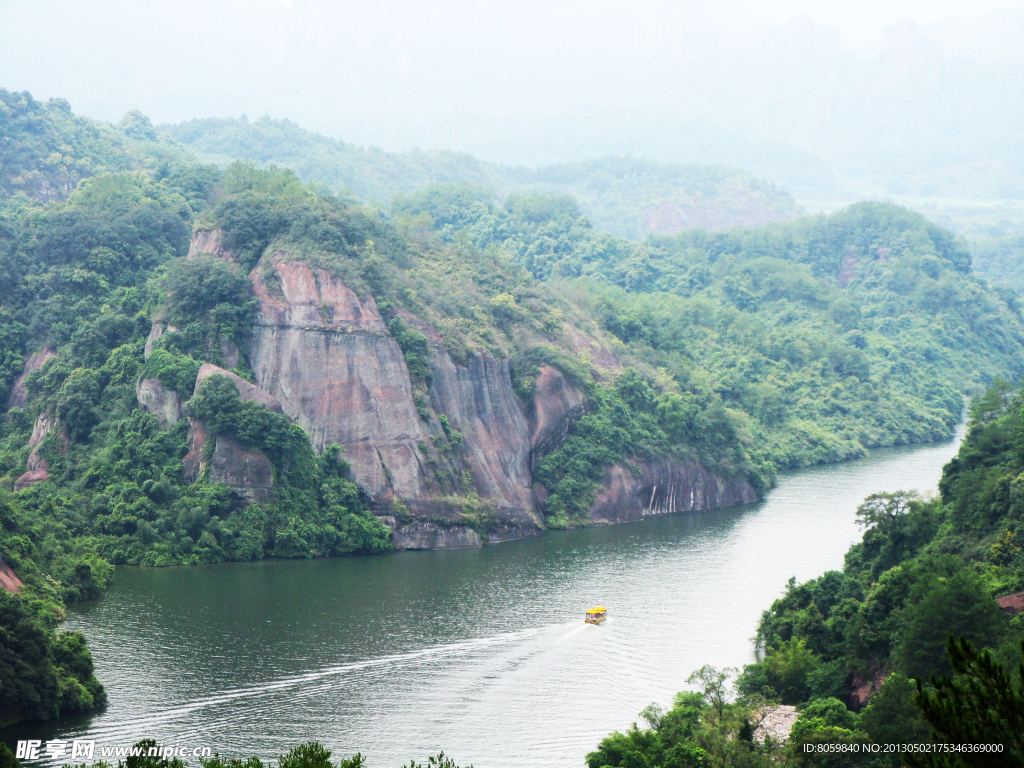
(482, 653)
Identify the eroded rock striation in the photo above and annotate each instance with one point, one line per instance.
(244, 469)
(38, 469)
(665, 487)
(323, 356)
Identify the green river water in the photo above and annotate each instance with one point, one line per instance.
(482, 653)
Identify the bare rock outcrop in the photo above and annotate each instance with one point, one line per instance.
(1012, 604)
(426, 534)
(247, 390)
(777, 723)
(325, 354)
(156, 400)
(37, 469)
(19, 392)
(244, 469)
(556, 406)
(211, 241)
(863, 688)
(478, 400)
(665, 487)
(8, 580)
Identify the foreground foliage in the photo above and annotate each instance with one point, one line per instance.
(310, 754)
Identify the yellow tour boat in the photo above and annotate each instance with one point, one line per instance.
(596, 615)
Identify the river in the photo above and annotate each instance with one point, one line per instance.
(481, 653)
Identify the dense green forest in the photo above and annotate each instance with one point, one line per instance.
(625, 195)
(1001, 261)
(866, 652)
(746, 351)
(926, 568)
(822, 337)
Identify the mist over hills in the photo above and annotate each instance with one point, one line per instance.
(628, 196)
(933, 111)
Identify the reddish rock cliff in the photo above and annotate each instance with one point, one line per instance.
(8, 580)
(478, 401)
(19, 394)
(556, 406)
(322, 355)
(326, 355)
(244, 469)
(209, 241)
(665, 487)
(37, 469)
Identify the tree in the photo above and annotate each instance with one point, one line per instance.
(980, 705)
(891, 716)
(955, 605)
(712, 684)
(885, 508)
(787, 668)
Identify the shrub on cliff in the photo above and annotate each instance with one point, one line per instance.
(315, 511)
(43, 674)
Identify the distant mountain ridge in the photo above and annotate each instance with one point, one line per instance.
(630, 197)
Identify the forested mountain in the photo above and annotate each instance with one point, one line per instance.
(204, 364)
(628, 196)
(806, 329)
(866, 652)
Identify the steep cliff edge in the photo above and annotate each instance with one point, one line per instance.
(555, 407)
(447, 462)
(665, 487)
(325, 353)
(244, 469)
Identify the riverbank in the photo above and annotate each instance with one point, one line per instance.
(419, 651)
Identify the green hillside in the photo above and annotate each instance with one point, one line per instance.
(866, 653)
(628, 196)
(744, 352)
(825, 336)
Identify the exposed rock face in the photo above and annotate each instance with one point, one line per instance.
(209, 241)
(19, 393)
(424, 534)
(244, 469)
(777, 721)
(322, 355)
(325, 354)
(246, 390)
(1011, 604)
(37, 469)
(664, 487)
(863, 688)
(157, 400)
(8, 581)
(478, 400)
(156, 331)
(556, 406)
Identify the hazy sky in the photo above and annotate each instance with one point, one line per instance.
(865, 19)
(185, 58)
(531, 80)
